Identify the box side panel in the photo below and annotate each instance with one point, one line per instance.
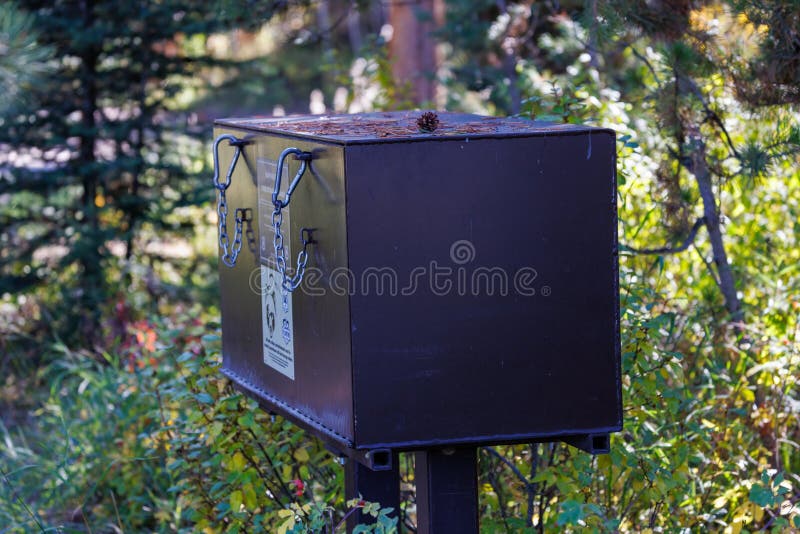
(503, 322)
(309, 376)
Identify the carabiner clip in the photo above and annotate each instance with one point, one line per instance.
(304, 158)
(237, 144)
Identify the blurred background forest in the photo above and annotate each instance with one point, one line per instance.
(113, 416)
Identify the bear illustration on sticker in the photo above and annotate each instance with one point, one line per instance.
(271, 308)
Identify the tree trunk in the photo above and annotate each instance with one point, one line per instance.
(510, 60)
(135, 211)
(91, 274)
(354, 31)
(696, 164)
(412, 50)
(592, 47)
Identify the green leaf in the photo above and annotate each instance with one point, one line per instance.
(185, 356)
(250, 497)
(204, 398)
(760, 495)
(301, 455)
(238, 461)
(247, 420)
(288, 524)
(571, 513)
(236, 499)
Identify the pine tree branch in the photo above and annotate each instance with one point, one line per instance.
(661, 251)
(646, 62)
(712, 115)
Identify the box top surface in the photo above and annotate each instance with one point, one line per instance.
(397, 126)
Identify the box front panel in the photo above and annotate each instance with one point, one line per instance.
(502, 323)
(291, 349)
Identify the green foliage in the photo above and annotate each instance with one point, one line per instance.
(106, 162)
(692, 454)
(104, 147)
(231, 464)
(22, 59)
(153, 438)
(299, 519)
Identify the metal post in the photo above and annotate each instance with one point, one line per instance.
(373, 486)
(447, 491)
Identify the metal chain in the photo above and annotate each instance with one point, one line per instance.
(230, 252)
(289, 283)
(248, 232)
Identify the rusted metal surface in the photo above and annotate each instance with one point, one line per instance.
(395, 126)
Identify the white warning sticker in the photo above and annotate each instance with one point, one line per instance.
(276, 302)
(276, 313)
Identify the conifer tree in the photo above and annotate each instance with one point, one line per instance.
(104, 145)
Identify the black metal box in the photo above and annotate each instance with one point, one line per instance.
(461, 285)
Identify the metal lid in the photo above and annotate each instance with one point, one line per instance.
(397, 126)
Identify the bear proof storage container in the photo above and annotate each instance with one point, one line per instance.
(460, 285)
